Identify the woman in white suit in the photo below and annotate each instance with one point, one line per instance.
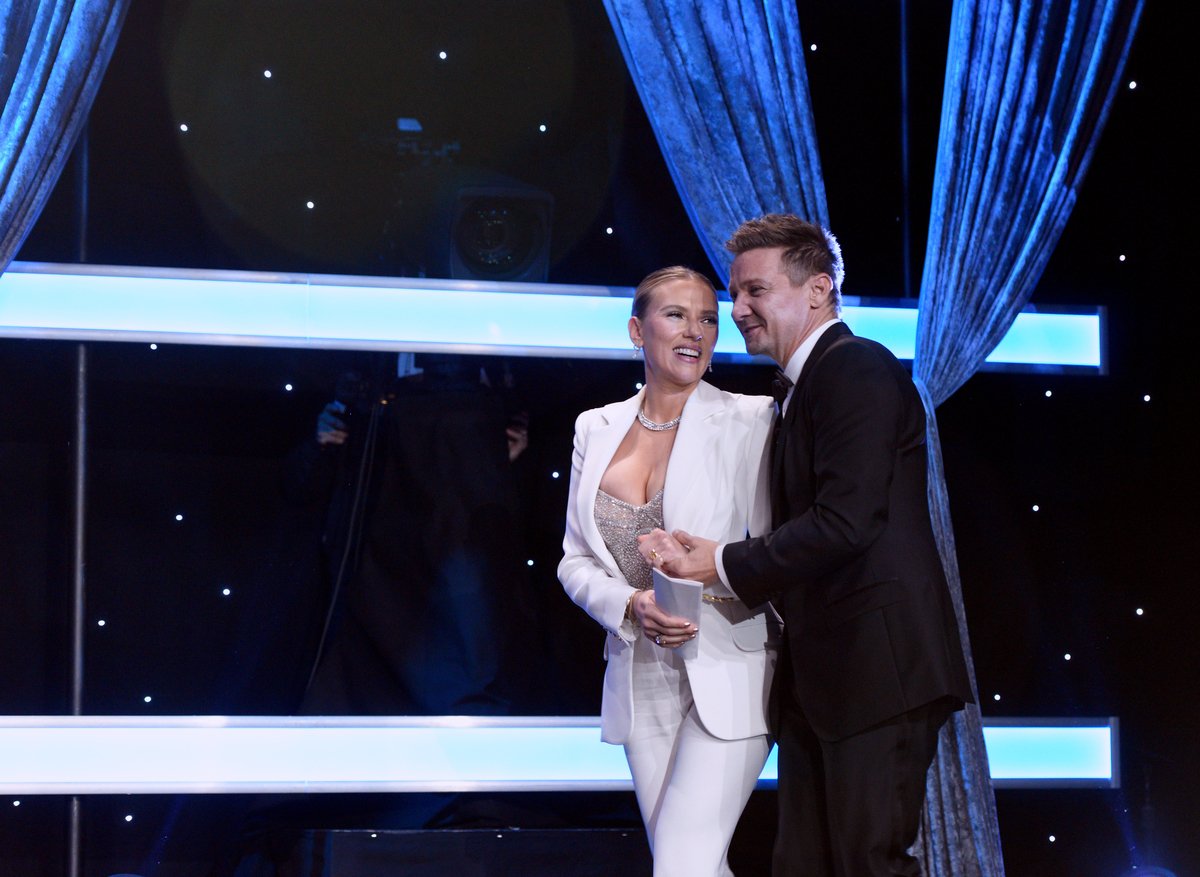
(681, 454)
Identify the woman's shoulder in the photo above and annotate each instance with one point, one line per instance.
(741, 404)
(604, 414)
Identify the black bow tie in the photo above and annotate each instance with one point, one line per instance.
(780, 386)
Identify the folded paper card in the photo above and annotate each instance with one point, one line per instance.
(680, 597)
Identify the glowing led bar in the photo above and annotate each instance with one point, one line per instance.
(222, 754)
(1067, 753)
(183, 306)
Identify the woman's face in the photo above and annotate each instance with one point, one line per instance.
(677, 332)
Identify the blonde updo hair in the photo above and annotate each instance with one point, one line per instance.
(644, 293)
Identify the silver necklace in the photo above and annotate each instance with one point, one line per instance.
(658, 427)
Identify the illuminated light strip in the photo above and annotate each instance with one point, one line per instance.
(183, 306)
(1067, 753)
(55, 755)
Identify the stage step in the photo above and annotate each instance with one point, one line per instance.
(558, 852)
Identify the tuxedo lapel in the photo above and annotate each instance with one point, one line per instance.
(777, 448)
(786, 433)
(833, 333)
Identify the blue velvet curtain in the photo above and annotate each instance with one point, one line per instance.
(724, 85)
(53, 54)
(1028, 88)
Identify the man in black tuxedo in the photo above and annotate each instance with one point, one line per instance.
(871, 664)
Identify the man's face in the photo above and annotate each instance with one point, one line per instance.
(773, 314)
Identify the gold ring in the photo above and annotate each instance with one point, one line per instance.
(653, 554)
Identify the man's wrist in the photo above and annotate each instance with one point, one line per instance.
(719, 563)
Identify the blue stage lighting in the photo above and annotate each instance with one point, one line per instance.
(81, 302)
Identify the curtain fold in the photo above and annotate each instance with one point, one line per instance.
(53, 55)
(1028, 89)
(724, 85)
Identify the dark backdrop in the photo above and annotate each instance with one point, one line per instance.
(204, 432)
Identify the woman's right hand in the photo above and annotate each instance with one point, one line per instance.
(667, 631)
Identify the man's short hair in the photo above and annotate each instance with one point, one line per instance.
(808, 248)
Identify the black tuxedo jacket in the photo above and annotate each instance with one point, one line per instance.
(851, 559)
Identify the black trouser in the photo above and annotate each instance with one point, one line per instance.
(852, 807)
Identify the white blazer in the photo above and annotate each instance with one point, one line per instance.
(716, 487)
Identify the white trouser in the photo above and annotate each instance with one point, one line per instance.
(691, 786)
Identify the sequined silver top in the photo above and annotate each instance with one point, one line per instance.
(620, 523)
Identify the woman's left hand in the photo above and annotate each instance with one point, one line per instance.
(660, 548)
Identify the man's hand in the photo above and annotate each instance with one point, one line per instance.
(681, 555)
(517, 434)
(331, 428)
